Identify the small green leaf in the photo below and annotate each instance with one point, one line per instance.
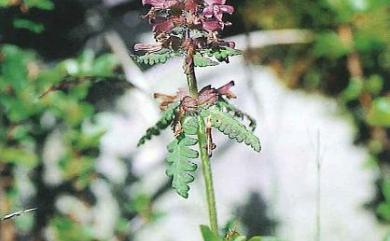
(190, 125)
(29, 25)
(227, 124)
(180, 169)
(225, 105)
(201, 61)
(207, 234)
(166, 119)
(379, 113)
(159, 57)
(256, 238)
(223, 53)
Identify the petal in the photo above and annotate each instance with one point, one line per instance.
(147, 47)
(225, 90)
(208, 12)
(226, 9)
(160, 3)
(212, 2)
(212, 25)
(165, 26)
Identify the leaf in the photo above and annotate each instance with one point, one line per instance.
(240, 238)
(225, 105)
(28, 24)
(256, 238)
(180, 169)
(201, 61)
(159, 57)
(166, 119)
(227, 124)
(223, 53)
(208, 234)
(379, 112)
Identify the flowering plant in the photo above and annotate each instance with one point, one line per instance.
(190, 28)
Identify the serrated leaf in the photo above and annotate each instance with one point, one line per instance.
(208, 234)
(201, 61)
(190, 125)
(180, 168)
(225, 105)
(159, 57)
(223, 53)
(227, 124)
(166, 119)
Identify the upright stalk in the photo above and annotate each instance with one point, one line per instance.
(206, 166)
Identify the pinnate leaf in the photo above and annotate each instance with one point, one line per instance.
(201, 61)
(159, 57)
(180, 168)
(223, 53)
(166, 119)
(230, 126)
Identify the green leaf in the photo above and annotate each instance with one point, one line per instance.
(166, 119)
(159, 57)
(41, 4)
(379, 112)
(227, 124)
(225, 105)
(29, 25)
(223, 54)
(180, 169)
(207, 234)
(201, 61)
(256, 238)
(239, 238)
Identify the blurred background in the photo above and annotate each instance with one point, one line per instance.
(314, 74)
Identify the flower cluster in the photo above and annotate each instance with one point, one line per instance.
(181, 24)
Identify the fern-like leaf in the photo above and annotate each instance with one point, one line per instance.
(201, 61)
(234, 129)
(226, 106)
(223, 53)
(180, 168)
(166, 119)
(159, 57)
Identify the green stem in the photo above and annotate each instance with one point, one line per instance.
(204, 156)
(207, 174)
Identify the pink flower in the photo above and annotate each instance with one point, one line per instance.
(212, 25)
(148, 47)
(163, 4)
(216, 9)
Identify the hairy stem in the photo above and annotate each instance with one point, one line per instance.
(202, 139)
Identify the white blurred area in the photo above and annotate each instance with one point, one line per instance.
(290, 126)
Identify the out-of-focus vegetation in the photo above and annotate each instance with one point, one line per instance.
(32, 124)
(349, 60)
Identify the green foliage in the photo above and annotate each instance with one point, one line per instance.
(158, 57)
(234, 129)
(40, 4)
(329, 45)
(226, 106)
(28, 24)
(379, 113)
(207, 234)
(180, 168)
(69, 230)
(223, 53)
(201, 61)
(166, 119)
